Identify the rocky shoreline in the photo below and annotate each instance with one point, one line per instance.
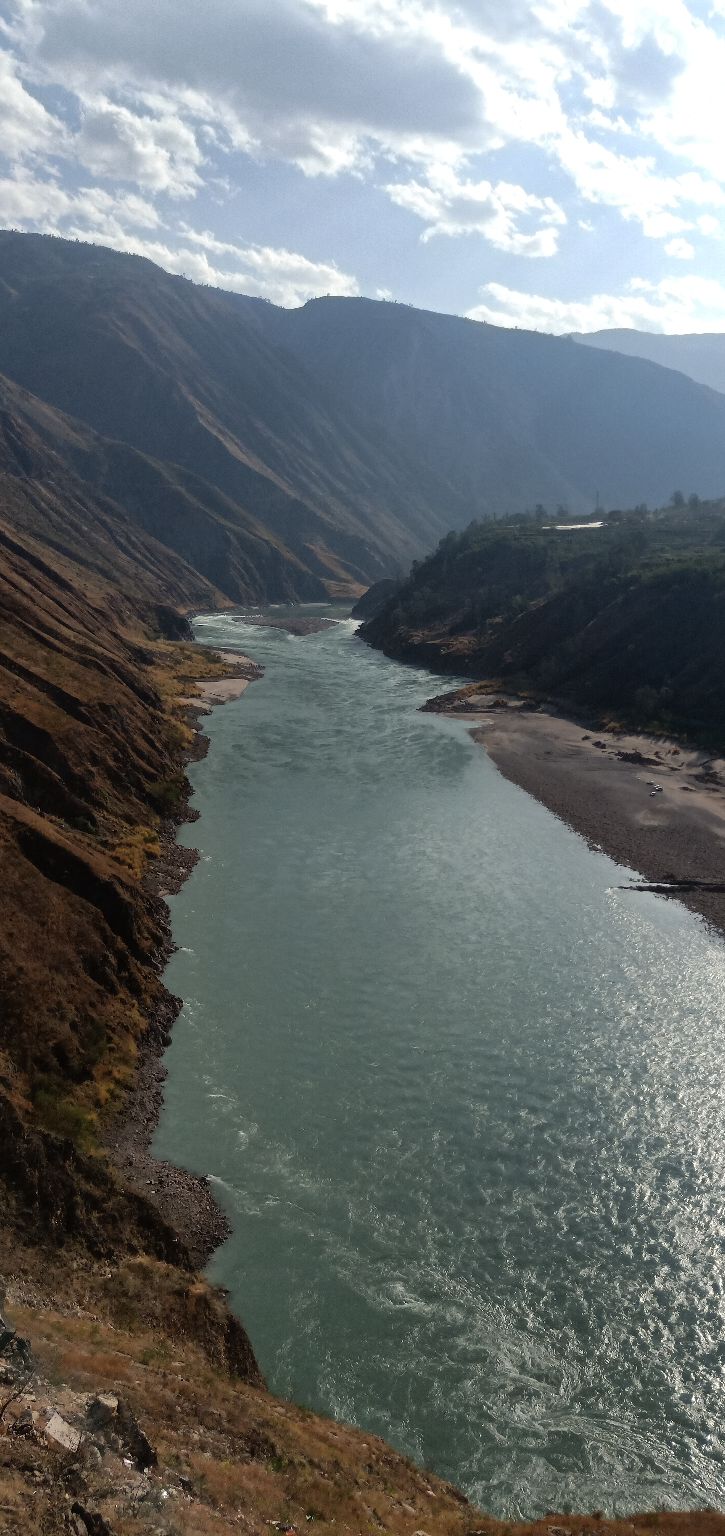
(185, 1200)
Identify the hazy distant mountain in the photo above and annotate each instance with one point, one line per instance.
(294, 453)
(701, 357)
(512, 417)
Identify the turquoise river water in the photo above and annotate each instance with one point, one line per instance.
(461, 1096)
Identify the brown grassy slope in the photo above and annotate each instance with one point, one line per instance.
(88, 761)
(231, 1457)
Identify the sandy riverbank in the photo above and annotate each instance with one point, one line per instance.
(219, 690)
(601, 783)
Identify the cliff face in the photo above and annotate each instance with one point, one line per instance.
(86, 750)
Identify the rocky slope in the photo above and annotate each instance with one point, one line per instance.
(88, 765)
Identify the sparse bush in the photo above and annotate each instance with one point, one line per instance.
(167, 795)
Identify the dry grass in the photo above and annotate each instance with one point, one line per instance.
(246, 1458)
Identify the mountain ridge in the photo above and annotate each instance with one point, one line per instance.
(699, 355)
(311, 452)
(514, 417)
(184, 375)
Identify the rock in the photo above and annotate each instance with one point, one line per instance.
(138, 1446)
(15, 1354)
(92, 1456)
(24, 1423)
(95, 1524)
(101, 1410)
(61, 1434)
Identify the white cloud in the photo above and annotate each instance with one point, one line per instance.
(681, 249)
(674, 304)
(508, 216)
(633, 185)
(283, 276)
(37, 204)
(615, 103)
(331, 84)
(306, 86)
(159, 152)
(130, 223)
(26, 128)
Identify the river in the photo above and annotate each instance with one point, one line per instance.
(461, 1096)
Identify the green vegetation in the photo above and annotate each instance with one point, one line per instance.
(63, 1116)
(168, 795)
(625, 619)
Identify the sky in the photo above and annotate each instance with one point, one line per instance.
(555, 164)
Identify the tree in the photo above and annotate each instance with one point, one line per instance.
(678, 499)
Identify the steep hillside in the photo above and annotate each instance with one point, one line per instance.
(188, 516)
(701, 357)
(190, 377)
(86, 755)
(627, 618)
(510, 418)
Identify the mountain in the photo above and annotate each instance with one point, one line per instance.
(191, 379)
(510, 418)
(625, 616)
(295, 454)
(700, 356)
